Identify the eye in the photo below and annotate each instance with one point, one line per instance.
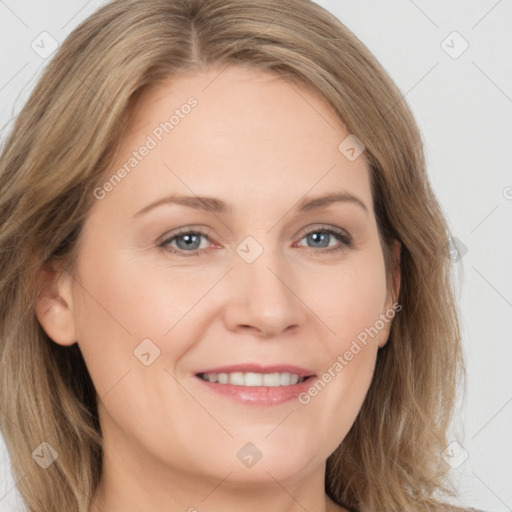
(187, 242)
(320, 239)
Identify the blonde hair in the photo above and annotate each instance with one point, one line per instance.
(61, 146)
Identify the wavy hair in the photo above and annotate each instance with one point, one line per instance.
(61, 147)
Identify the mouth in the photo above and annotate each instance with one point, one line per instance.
(249, 379)
(255, 385)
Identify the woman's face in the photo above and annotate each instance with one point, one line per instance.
(212, 257)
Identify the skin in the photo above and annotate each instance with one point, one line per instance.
(260, 145)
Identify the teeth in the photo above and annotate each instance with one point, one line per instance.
(271, 379)
(236, 378)
(253, 379)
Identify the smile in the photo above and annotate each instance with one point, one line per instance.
(252, 384)
(253, 379)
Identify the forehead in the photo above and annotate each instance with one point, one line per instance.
(226, 132)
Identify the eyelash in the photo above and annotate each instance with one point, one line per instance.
(345, 239)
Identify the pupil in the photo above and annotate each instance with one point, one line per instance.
(189, 241)
(315, 237)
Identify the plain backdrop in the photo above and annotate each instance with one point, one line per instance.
(453, 63)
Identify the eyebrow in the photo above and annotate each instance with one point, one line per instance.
(218, 206)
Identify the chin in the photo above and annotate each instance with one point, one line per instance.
(256, 460)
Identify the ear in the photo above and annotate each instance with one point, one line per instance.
(396, 277)
(54, 305)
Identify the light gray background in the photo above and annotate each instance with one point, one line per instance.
(464, 108)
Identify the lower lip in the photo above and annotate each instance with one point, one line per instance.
(259, 395)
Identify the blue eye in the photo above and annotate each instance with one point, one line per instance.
(188, 241)
(320, 239)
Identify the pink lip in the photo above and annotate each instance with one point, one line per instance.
(259, 395)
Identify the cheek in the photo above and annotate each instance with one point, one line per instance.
(118, 307)
(353, 307)
(353, 298)
(125, 300)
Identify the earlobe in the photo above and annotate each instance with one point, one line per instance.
(54, 305)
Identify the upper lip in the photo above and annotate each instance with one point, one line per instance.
(256, 368)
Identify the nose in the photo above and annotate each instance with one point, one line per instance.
(262, 298)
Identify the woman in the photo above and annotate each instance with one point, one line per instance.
(225, 277)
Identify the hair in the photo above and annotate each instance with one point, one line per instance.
(62, 144)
